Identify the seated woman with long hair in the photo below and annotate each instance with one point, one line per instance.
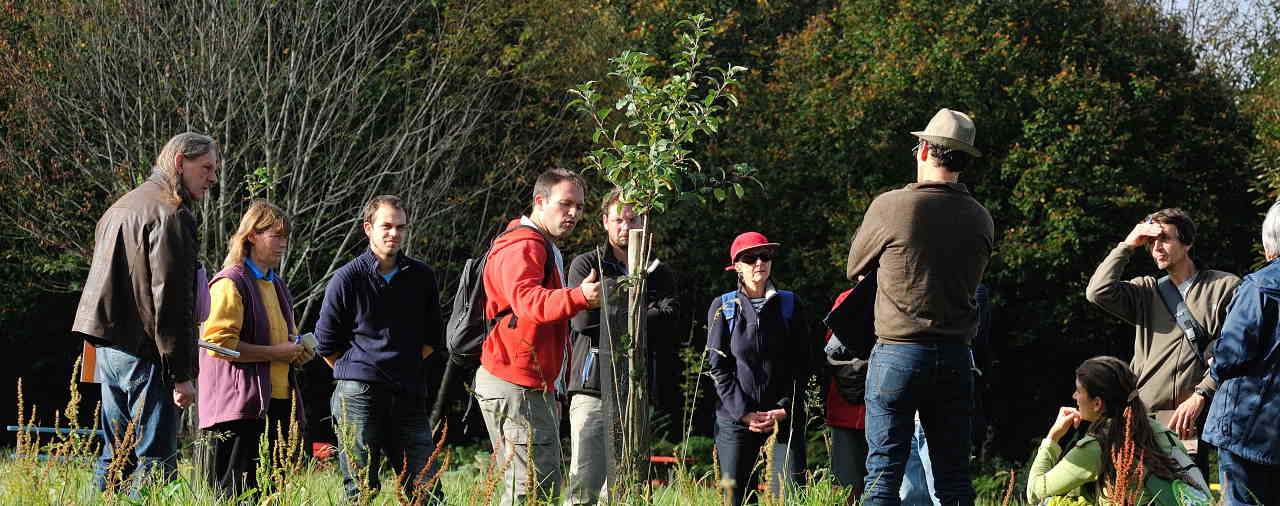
(1126, 457)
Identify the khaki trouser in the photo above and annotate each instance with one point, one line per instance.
(587, 462)
(524, 427)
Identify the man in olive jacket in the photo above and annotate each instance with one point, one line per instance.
(138, 307)
(1172, 379)
(587, 423)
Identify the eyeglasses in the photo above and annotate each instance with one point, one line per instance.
(915, 151)
(750, 258)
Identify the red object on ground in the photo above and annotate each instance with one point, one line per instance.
(321, 450)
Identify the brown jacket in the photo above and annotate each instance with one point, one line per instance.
(930, 243)
(140, 293)
(1165, 362)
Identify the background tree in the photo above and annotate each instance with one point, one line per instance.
(1262, 103)
(1090, 115)
(646, 152)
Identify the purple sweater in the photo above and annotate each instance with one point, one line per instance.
(242, 390)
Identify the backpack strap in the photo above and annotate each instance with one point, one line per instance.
(788, 301)
(729, 308)
(1192, 330)
(547, 267)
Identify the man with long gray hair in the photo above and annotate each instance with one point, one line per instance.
(1247, 368)
(138, 308)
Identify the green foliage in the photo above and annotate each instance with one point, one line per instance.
(1262, 103)
(648, 152)
(532, 51)
(699, 448)
(1090, 115)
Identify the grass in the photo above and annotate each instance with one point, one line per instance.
(468, 477)
(26, 481)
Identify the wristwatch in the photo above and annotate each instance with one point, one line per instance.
(1204, 392)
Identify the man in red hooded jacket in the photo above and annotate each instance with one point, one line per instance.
(524, 353)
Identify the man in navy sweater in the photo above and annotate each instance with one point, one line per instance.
(379, 320)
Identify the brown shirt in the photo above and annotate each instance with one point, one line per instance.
(1165, 363)
(929, 243)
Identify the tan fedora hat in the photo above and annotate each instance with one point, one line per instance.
(951, 129)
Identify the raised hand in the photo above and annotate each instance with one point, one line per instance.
(1067, 418)
(1142, 234)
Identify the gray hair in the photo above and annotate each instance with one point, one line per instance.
(189, 145)
(1271, 231)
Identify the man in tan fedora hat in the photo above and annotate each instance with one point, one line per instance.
(929, 243)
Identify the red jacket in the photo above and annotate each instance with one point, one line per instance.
(531, 354)
(840, 412)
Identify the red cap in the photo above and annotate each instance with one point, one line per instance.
(748, 241)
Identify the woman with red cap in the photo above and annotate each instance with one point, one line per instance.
(758, 349)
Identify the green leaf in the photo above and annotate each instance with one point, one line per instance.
(737, 188)
(719, 193)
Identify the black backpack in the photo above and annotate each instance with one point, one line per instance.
(468, 327)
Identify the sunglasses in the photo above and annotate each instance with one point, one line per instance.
(750, 258)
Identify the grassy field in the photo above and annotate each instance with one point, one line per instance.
(56, 469)
(28, 481)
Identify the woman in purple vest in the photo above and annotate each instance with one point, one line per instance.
(251, 312)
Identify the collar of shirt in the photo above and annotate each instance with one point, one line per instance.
(758, 302)
(606, 256)
(370, 262)
(559, 259)
(1186, 284)
(257, 273)
(943, 185)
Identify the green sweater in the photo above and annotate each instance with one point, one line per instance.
(1080, 467)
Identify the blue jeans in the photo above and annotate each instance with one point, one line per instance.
(382, 422)
(737, 449)
(917, 482)
(1247, 482)
(934, 380)
(134, 390)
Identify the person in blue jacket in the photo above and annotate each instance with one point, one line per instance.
(1246, 365)
(758, 353)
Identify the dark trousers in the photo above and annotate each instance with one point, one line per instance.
(233, 450)
(381, 421)
(737, 449)
(1248, 482)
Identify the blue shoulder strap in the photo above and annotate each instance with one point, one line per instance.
(729, 308)
(788, 301)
